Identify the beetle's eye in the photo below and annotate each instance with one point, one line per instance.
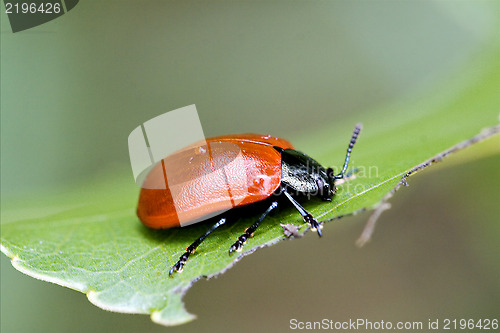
(323, 188)
(321, 185)
(330, 174)
(328, 190)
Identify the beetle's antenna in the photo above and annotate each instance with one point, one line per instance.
(354, 137)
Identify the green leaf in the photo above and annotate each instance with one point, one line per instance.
(91, 240)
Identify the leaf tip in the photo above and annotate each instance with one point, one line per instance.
(172, 317)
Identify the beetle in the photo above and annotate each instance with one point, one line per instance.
(212, 180)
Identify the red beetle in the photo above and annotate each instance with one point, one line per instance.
(207, 180)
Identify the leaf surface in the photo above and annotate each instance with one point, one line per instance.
(90, 240)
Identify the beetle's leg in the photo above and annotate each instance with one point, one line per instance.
(354, 137)
(250, 230)
(179, 266)
(306, 216)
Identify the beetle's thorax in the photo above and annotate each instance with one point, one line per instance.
(298, 179)
(301, 174)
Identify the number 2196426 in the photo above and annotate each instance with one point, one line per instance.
(32, 8)
(485, 324)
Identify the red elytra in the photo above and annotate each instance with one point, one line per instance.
(193, 170)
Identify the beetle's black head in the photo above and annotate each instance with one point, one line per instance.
(331, 181)
(326, 186)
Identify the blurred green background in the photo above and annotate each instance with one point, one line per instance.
(74, 88)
